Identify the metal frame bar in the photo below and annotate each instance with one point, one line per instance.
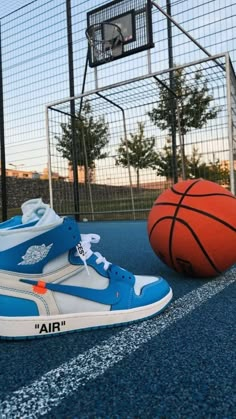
(2, 143)
(98, 91)
(170, 18)
(126, 142)
(49, 167)
(230, 123)
(134, 79)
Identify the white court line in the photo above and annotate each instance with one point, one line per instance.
(44, 394)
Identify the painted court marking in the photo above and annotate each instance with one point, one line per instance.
(46, 393)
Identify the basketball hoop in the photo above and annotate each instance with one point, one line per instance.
(105, 40)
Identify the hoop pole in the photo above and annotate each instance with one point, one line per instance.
(72, 105)
(84, 82)
(2, 143)
(172, 99)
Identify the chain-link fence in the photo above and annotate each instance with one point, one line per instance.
(40, 45)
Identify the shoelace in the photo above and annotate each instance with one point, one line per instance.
(84, 250)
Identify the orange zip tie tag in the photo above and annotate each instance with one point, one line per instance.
(40, 288)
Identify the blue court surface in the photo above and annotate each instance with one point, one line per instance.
(180, 364)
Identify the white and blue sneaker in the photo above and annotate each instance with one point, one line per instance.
(51, 282)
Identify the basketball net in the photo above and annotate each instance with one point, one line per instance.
(105, 49)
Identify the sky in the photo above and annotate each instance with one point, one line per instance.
(9, 6)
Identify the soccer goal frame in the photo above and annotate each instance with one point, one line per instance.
(217, 140)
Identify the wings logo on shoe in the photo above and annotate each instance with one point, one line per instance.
(35, 254)
(109, 295)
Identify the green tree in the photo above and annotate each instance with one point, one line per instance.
(216, 172)
(193, 165)
(195, 168)
(192, 106)
(164, 161)
(91, 136)
(138, 152)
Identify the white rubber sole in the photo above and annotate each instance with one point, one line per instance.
(38, 326)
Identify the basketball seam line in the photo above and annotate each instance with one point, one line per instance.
(173, 221)
(199, 211)
(203, 195)
(196, 238)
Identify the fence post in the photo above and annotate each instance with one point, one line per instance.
(230, 123)
(2, 141)
(172, 98)
(72, 107)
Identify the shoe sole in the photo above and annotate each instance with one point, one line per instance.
(45, 326)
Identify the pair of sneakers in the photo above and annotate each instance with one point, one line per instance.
(51, 281)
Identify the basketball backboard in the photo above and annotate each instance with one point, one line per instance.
(118, 29)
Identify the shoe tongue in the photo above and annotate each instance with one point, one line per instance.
(35, 210)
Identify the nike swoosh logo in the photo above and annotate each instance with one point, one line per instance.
(108, 296)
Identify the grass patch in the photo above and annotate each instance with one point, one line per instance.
(114, 206)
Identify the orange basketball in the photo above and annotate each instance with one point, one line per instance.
(192, 228)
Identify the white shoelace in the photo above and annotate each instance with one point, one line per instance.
(84, 250)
